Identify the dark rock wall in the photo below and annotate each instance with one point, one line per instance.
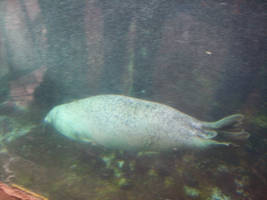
(205, 58)
(67, 53)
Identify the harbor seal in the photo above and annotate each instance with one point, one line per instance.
(127, 123)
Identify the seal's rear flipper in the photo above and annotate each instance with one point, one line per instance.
(229, 127)
(240, 135)
(221, 143)
(207, 134)
(229, 121)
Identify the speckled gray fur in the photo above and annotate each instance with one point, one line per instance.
(127, 123)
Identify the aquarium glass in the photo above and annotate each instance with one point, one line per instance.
(133, 100)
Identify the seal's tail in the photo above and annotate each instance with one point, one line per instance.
(230, 126)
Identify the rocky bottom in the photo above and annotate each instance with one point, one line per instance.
(58, 168)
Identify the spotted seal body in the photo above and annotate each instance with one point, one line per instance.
(127, 123)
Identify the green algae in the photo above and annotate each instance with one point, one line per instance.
(217, 194)
(260, 120)
(11, 129)
(23, 179)
(169, 182)
(152, 172)
(192, 192)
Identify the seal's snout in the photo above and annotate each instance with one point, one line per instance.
(46, 121)
(49, 117)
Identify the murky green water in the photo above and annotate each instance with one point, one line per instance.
(205, 58)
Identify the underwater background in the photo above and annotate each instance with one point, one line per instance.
(206, 58)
